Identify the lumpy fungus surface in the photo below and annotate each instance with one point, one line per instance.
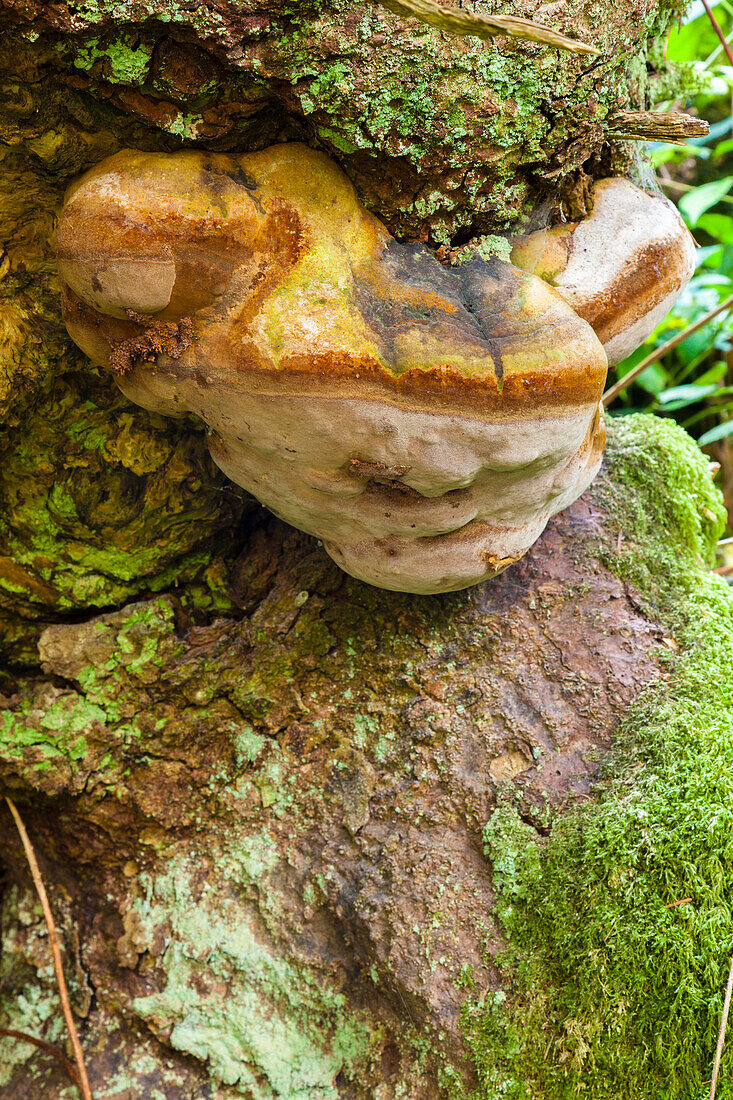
(425, 423)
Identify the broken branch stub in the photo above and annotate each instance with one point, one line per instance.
(424, 423)
(657, 126)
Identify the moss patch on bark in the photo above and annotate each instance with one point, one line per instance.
(99, 501)
(612, 990)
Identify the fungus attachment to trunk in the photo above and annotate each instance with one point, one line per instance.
(424, 423)
(622, 268)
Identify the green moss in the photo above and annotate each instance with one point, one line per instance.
(99, 501)
(121, 63)
(612, 990)
(185, 126)
(100, 504)
(484, 247)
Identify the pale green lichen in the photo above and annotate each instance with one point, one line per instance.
(612, 990)
(485, 248)
(271, 1029)
(28, 998)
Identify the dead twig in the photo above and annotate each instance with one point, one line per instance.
(49, 1048)
(612, 393)
(723, 1025)
(458, 21)
(674, 904)
(83, 1082)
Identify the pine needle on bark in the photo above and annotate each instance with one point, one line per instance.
(48, 1048)
(612, 393)
(35, 870)
(721, 1032)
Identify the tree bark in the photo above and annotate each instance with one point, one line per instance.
(257, 787)
(310, 784)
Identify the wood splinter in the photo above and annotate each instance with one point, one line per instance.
(459, 21)
(657, 126)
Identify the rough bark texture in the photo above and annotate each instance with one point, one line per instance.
(264, 833)
(439, 133)
(258, 788)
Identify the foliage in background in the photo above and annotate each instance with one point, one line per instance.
(694, 383)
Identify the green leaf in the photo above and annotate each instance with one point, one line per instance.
(714, 374)
(720, 431)
(653, 379)
(719, 226)
(695, 39)
(679, 396)
(695, 203)
(723, 147)
(709, 256)
(663, 153)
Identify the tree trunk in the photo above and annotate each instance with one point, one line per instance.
(259, 789)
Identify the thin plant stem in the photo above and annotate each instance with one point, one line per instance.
(83, 1082)
(49, 1048)
(676, 185)
(723, 1025)
(719, 32)
(612, 393)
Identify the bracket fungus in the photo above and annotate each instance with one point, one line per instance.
(621, 269)
(424, 423)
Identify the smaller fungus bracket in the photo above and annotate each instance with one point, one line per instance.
(622, 268)
(424, 423)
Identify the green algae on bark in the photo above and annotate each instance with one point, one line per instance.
(611, 989)
(101, 504)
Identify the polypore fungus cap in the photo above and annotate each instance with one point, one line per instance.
(424, 423)
(622, 268)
